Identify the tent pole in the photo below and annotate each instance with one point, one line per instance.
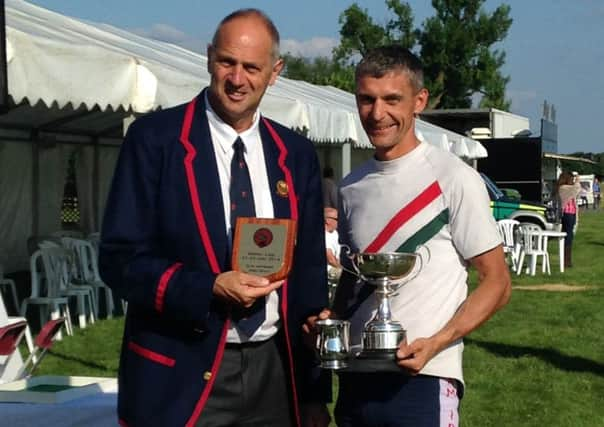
(95, 185)
(346, 161)
(35, 182)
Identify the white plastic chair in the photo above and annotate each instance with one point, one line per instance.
(508, 228)
(87, 271)
(534, 245)
(59, 270)
(45, 296)
(10, 284)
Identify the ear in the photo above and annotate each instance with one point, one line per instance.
(277, 67)
(421, 100)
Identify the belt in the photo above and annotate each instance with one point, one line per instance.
(247, 344)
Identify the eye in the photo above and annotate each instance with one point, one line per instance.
(252, 69)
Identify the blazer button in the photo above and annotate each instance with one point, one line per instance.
(207, 375)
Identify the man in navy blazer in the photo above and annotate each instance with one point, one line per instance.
(165, 249)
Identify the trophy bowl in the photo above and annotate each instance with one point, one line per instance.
(390, 266)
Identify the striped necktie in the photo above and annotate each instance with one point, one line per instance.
(242, 205)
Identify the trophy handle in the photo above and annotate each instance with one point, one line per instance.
(352, 257)
(422, 262)
(428, 254)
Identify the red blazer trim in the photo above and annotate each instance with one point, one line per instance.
(294, 214)
(293, 199)
(151, 355)
(199, 218)
(206, 391)
(404, 215)
(209, 249)
(122, 422)
(163, 285)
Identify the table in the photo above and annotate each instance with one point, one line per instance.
(96, 410)
(561, 236)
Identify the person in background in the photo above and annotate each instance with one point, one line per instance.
(204, 345)
(569, 188)
(597, 193)
(413, 195)
(332, 249)
(583, 197)
(332, 242)
(330, 188)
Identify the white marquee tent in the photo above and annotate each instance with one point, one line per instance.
(71, 85)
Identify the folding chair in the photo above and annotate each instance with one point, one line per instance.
(10, 337)
(42, 344)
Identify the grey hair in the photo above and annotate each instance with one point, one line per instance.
(385, 59)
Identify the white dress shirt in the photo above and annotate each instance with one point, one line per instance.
(223, 137)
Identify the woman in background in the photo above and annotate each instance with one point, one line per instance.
(568, 189)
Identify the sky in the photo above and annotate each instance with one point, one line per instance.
(554, 48)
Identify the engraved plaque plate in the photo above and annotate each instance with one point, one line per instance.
(264, 246)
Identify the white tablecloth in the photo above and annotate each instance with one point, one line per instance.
(97, 410)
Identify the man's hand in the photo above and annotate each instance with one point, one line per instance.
(242, 288)
(315, 415)
(309, 330)
(413, 357)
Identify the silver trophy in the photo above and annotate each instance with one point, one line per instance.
(333, 343)
(387, 271)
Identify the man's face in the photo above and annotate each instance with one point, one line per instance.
(242, 67)
(387, 106)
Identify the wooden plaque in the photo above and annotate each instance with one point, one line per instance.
(264, 246)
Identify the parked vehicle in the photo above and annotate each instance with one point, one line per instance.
(521, 210)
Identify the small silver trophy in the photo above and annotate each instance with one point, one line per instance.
(387, 271)
(333, 343)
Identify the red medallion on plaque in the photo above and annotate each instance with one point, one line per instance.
(263, 237)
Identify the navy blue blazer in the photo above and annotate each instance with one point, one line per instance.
(163, 243)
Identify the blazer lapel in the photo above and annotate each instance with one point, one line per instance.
(208, 182)
(276, 179)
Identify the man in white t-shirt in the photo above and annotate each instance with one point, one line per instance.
(409, 197)
(332, 241)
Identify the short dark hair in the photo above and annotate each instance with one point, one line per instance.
(385, 59)
(242, 13)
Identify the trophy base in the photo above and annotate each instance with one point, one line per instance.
(334, 364)
(383, 341)
(373, 361)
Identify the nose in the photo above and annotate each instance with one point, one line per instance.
(236, 75)
(377, 110)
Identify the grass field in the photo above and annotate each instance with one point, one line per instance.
(539, 362)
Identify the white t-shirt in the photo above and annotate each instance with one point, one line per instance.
(430, 199)
(332, 242)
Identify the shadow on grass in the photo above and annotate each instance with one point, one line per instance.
(548, 355)
(83, 362)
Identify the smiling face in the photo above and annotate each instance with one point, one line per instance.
(387, 106)
(242, 65)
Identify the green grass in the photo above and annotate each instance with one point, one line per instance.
(539, 362)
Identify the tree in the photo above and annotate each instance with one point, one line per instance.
(456, 46)
(320, 71)
(458, 55)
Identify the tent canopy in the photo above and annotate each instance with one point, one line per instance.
(93, 75)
